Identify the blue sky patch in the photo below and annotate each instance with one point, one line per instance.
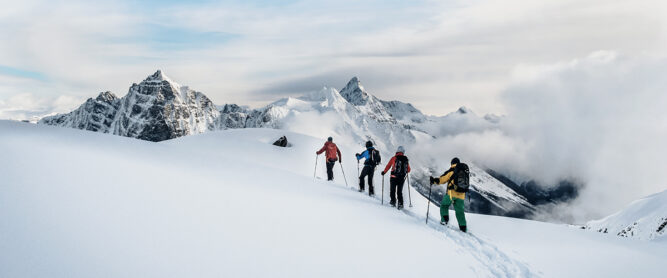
(12, 71)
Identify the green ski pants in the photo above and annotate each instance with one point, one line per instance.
(458, 208)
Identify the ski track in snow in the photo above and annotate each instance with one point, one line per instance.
(497, 262)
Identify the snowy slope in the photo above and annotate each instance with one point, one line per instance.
(643, 219)
(228, 203)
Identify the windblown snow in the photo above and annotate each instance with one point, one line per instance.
(229, 204)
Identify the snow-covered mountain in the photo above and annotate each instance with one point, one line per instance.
(159, 109)
(156, 109)
(644, 219)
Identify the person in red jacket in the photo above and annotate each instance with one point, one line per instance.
(332, 154)
(400, 167)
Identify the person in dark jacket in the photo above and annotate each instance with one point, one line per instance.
(400, 167)
(372, 157)
(332, 154)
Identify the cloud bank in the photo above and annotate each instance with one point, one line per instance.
(445, 54)
(598, 120)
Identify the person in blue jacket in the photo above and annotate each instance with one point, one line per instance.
(372, 157)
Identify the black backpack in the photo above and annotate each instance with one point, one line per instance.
(400, 166)
(374, 157)
(461, 178)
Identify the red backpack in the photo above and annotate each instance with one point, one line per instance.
(331, 151)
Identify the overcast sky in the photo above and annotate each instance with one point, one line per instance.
(438, 55)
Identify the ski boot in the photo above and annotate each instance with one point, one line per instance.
(400, 206)
(444, 220)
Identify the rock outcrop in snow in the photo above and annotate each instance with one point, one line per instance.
(644, 219)
(96, 114)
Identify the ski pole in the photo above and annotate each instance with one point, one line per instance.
(344, 178)
(358, 168)
(382, 199)
(428, 205)
(315, 173)
(409, 197)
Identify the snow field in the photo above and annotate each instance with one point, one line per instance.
(83, 204)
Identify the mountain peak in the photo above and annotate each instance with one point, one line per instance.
(158, 76)
(354, 92)
(463, 110)
(106, 96)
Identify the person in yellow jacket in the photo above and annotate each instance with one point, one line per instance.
(452, 197)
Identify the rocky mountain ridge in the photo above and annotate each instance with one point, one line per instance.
(156, 109)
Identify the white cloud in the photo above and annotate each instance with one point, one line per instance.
(598, 120)
(27, 106)
(450, 54)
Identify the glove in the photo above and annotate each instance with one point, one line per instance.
(432, 180)
(340, 160)
(383, 172)
(357, 154)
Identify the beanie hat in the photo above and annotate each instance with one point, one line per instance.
(455, 160)
(330, 139)
(369, 144)
(400, 149)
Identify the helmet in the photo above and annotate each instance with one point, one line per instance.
(400, 149)
(330, 139)
(369, 144)
(455, 160)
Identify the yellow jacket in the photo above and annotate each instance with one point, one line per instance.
(447, 178)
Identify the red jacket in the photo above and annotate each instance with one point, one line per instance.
(331, 150)
(392, 162)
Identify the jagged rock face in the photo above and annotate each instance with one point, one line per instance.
(156, 109)
(95, 114)
(356, 95)
(232, 116)
(384, 111)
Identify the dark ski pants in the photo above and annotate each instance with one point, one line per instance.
(458, 208)
(367, 171)
(330, 165)
(396, 189)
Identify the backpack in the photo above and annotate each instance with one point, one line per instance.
(374, 157)
(331, 149)
(400, 166)
(461, 178)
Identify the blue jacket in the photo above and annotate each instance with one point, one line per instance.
(367, 155)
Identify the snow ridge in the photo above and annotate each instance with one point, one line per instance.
(643, 219)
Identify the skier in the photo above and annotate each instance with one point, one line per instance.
(331, 152)
(400, 167)
(372, 157)
(457, 173)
